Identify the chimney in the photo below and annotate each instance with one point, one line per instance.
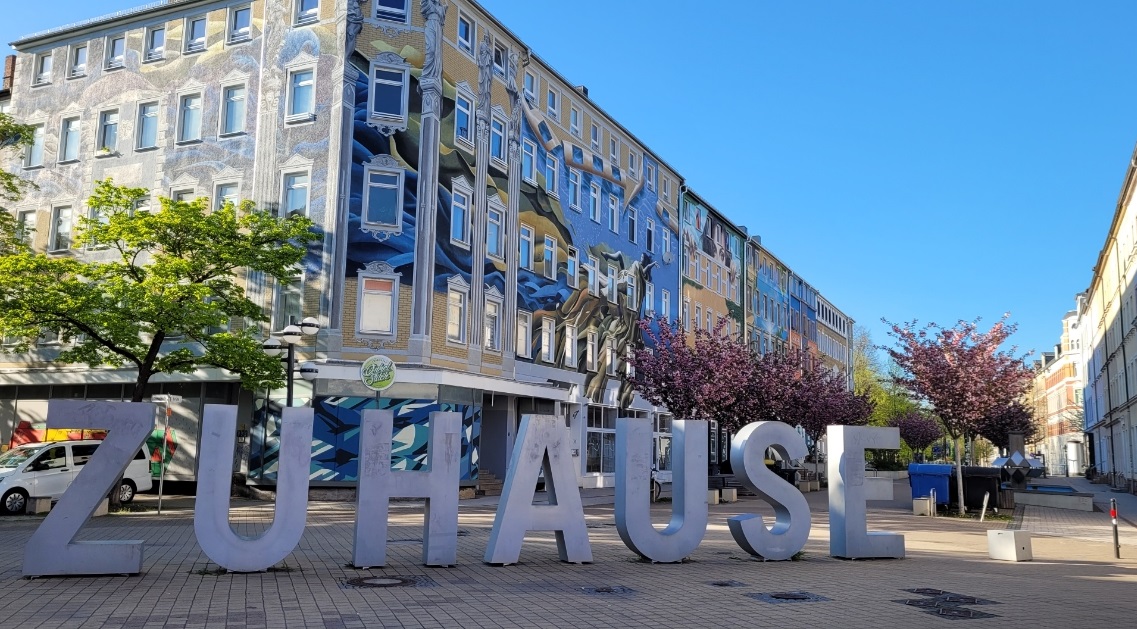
(583, 89)
(9, 73)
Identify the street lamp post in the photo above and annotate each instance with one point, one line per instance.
(291, 335)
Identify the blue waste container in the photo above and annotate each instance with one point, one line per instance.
(924, 477)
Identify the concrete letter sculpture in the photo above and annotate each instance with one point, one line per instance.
(378, 484)
(792, 521)
(633, 486)
(215, 470)
(542, 441)
(51, 550)
(848, 530)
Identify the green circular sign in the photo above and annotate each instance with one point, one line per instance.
(377, 373)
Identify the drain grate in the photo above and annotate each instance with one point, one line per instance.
(389, 581)
(787, 597)
(727, 584)
(947, 605)
(608, 590)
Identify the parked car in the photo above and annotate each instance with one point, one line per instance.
(47, 469)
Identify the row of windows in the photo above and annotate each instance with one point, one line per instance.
(832, 347)
(697, 322)
(188, 123)
(712, 274)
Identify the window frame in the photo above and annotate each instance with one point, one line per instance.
(612, 353)
(392, 119)
(457, 287)
(101, 132)
(574, 121)
(400, 187)
(232, 34)
(180, 128)
(497, 127)
(406, 14)
(612, 292)
(290, 116)
(149, 52)
(613, 213)
(139, 126)
(40, 130)
(594, 210)
(548, 339)
(225, 107)
(65, 139)
(572, 266)
(549, 258)
(470, 109)
(529, 151)
(492, 337)
(552, 167)
(595, 137)
(189, 46)
(73, 71)
(594, 276)
(459, 187)
(41, 76)
(218, 200)
(284, 190)
(305, 18)
(649, 176)
(632, 226)
(649, 234)
(574, 186)
(633, 164)
(499, 66)
(524, 343)
(523, 261)
(22, 231)
(665, 303)
(592, 350)
(111, 62)
(570, 356)
(499, 253)
(466, 45)
(614, 150)
(530, 91)
(553, 104)
(53, 231)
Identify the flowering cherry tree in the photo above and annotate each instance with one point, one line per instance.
(820, 398)
(997, 426)
(961, 372)
(918, 430)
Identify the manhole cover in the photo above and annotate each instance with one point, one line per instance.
(787, 597)
(380, 582)
(727, 584)
(948, 605)
(926, 591)
(608, 589)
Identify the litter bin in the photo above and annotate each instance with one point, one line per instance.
(978, 481)
(924, 477)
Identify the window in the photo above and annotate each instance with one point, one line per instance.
(550, 257)
(195, 34)
(649, 231)
(666, 188)
(590, 350)
(665, 304)
(494, 235)
(383, 198)
(529, 161)
(525, 251)
(147, 126)
(649, 298)
(60, 237)
(570, 345)
(632, 161)
(574, 188)
(307, 11)
(289, 307)
(377, 305)
(240, 22)
(594, 275)
(499, 57)
(614, 151)
(155, 43)
(116, 51)
(393, 10)
(552, 165)
(463, 130)
(497, 139)
(613, 213)
(530, 86)
(572, 265)
(34, 157)
(685, 315)
(698, 316)
(389, 93)
(574, 121)
(25, 225)
(631, 302)
(301, 104)
(612, 283)
(610, 346)
(548, 339)
(69, 140)
(456, 315)
(492, 340)
(233, 110)
(467, 34)
(595, 136)
(552, 105)
(189, 118)
(224, 193)
(43, 69)
(649, 176)
(294, 201)
(594, 202)
(460, 216)
(78, 61)
(108, 131)
(182, 196)
(524, 333)
(632, 225)
(665, 234)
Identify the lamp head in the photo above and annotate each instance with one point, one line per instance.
(271, 347)
(291, 334)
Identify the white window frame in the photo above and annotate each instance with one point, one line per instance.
(524, 333)
(361, 301)
(575, 183)
(529, 86)
(303, 18)
(149, 52)
(572, 266)
(614, 150)
(459, 187)
(138, 124)
(665, 304)
(284, 176)
(525, 236)
(500, 60)
(570, 346)
(631, 301)
(74, 70)
(190, 46)
(226, 104)
(218, 200)
(109, 62)
(529, 152)
(291, 117)
(629, 368)
(497, 122)
(466, 45)
(591, 350)
(405, 19)
(574, 121)
(633, 164)
(101, 131)
(632, 226)
(594, 276)
(553, 104)
(492, 340)
(613, 277)
(666, 237)
(552, 167)
(458, 287)
(65, 135)
(499, 254)
(399, 187)
(232, 34)
(179, 129)
(649, 232)
(399, 119)
(39, 137)
(25, 225)
(53, 232)
(467, 140)
(667, 189)
(41, 76)
(612, 354)
(594, 209)
(549, 258)
(595, 135)
(548, 339)
(649, 176)
(613, 214)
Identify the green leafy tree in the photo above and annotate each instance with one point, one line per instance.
(14, 137)
(161, 275)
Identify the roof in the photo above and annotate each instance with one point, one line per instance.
(97, 21)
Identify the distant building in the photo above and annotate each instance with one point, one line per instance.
(1056, 394)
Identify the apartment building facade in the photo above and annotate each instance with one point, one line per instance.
(486, 224)
(1056, 392)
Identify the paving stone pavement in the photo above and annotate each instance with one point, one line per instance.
(1072, 582)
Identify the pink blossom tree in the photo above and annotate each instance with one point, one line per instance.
(918, 430)
(961, 373)
(819, 398)
(997, 426)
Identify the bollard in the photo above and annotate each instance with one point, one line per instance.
(986, 497)
(1113, 516)
(932, 495)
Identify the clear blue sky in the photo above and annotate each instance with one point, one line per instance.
(912, 160)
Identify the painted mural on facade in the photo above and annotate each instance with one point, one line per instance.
(712, 266)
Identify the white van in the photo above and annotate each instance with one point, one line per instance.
(47, 469)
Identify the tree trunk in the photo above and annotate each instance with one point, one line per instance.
(959, 474)
(138, 395)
